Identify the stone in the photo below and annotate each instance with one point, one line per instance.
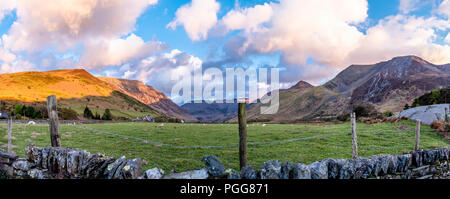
(429, 157)
(286, 168)
(334, 165)
(38, 174)
(214, 166)
(248, 173)
(347, 170)
(95, 166)
(73, 162)
(113, 168)
(426, 114)
(195, 174)
(363, 168)
(417, 158)
(300, 171)
(155, 173)
(33, 154)
(270, 170)
(393, 164)
(232, 174)
(44, 161)
(21, 164)
(319, 170)
(403, 162)
(132, 169)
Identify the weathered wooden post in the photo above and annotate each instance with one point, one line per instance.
(242, 116)
(446, 114)
(416, 147)
(9, 134)
(53, 121)
(354, 138)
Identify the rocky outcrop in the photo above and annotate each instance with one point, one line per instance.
(426, 114)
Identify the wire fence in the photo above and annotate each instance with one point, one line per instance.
(181, 147)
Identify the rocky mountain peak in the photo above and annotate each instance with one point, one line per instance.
(302, 85)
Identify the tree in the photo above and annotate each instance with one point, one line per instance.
(68, 114)
(29, 111)
(18, 109)
(88, 113)
(107, 115)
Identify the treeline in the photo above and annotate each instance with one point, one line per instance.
(438, 96)
(107, 115)
(40, 112)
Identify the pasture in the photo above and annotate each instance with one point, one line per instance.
(180, 147)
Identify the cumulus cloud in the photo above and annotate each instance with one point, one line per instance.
(327, 32)
(157, 70)
(447, 38)
(6, 7)
(321, 30)
(402, 35)
(407, 6)
(197, 18)
(117, 51)
(444, 8)
(66, 25)
(248, 18)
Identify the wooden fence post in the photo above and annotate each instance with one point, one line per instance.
(416, 147)
(446, 114)
(53, 121)
(354, 137)
(9, 135)
(242, 116)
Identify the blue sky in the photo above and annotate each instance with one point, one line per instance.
(147, 41)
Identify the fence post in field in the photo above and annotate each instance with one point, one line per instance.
(446, 114)
(9, 135)
(242, 117)
(416, 147)
(53, 121)
(354, 138)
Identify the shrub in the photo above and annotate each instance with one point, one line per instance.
(88, 113)
(439, 126)
(388, 114)
(67, 114)
(343, 117)
(107, 115)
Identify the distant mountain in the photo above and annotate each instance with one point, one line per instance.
(212, 112)
(77, 89)
(302, 85)
(388, 86)
(148, 95)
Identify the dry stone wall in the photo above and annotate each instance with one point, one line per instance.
(66, 163)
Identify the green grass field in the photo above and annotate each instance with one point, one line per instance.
(173, 146)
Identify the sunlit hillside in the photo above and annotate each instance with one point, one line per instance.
(74, 89)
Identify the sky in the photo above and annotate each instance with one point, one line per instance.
(149, 40)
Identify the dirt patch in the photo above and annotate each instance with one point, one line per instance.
(35, 134)
(12, 137)
(403, 128)
(6, 146)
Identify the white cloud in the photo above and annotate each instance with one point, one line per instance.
(444, 8)
(303, 29)
(5, 7)
(117, 51)
(92, 24)
(248, 18)
(157, 70)
(197, 18)
(407, 6)
(447, 39)
(402, 35)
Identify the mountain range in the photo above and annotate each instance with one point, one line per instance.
(76, 89)
(386, 86)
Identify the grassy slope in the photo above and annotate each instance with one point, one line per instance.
(74, 89)
(381, 139)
